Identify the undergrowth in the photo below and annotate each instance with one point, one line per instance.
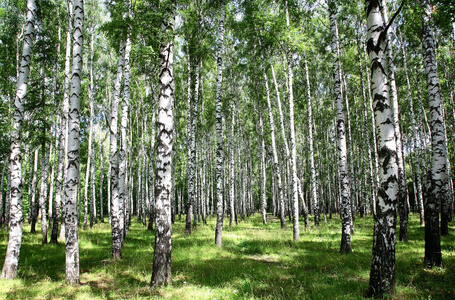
(255, 262)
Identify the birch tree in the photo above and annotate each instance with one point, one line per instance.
(382, 272)
(114, 158)
(163, 185)
(63, 131)
(437, 177)
(219, 130)
(294, 198)
(73, 163)
(11, 264)
(346, 216)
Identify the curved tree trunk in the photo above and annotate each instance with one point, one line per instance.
(11, 263)
(382, 272)
(73, 163)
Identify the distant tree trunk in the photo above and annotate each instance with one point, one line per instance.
(11, 263)
(415, 137)
(123, 153)
(163, 186)
(192, 194)
(382, 272)
(294, 198)
(304, 207)
(437, 178)
(403, 208)
(73, 163)
(231, 169)
(32, 205)
(263, 201)
(346, 215)
(2, 181)
(365, 129)
(92, 189)
(283, 133)
(101, 180)
(114, 157)
(219, 130)
(314, 191)
(43, 192)
(277, 169)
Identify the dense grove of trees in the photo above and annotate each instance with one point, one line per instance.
(115, 110)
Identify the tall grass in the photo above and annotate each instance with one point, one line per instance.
(256, 262)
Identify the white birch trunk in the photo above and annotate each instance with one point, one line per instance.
(219, 130)
(32, 205)
(11, 263)
(91, 96)
(73, 163)
(114, 158)
(346, 216)
(231, 169)
(2, 181)
(163, 186)
(294, 198)
(365, 130)
(277, 167)
(314, 192)
(101, 180)
(382, 272)
(192, 194)
(403, 208)
(123, 154)
(415, 134)
(437, 181)
(43, 193)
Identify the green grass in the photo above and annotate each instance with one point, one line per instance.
(255, 262)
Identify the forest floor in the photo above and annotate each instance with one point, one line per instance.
(255, 262)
